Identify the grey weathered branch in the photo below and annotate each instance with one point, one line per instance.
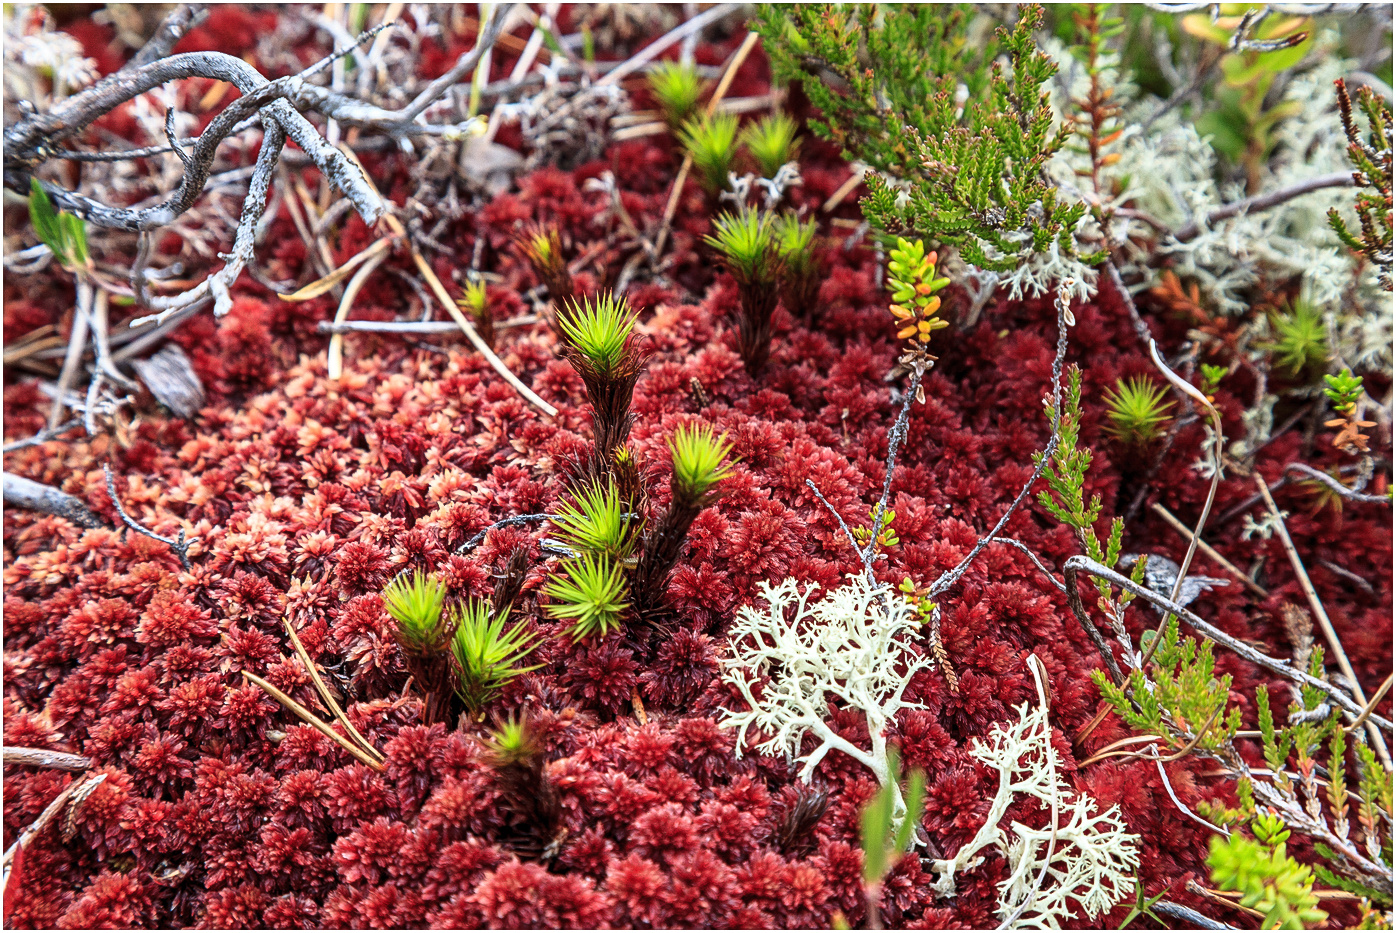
(44, 758)
(1262, 202)
(21, 493)
(179, 545)
(183, 18)
(1073, 569)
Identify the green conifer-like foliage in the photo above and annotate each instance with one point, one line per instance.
(888, 81)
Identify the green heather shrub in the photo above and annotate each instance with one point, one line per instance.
(969, 175)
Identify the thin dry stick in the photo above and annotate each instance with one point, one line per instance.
(313, 720)
(1329, 633)
(325, 696)
(1158, 763)
(335, 364)
(669, 38)
(1210, 551)
(1371, 704)
(396, 228)
(673, 205)
(78, 789)
(325, 283)
(43, 758)
(179, 545)
(77, 343)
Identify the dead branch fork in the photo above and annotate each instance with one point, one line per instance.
(34, 139)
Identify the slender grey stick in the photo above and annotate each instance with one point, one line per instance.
(503, 523)
(1077, 564)
(44, 436)
(839, 518)
(21, 493)
(1344, 491)
(179, 545)
(952, 576)
(1265, 201)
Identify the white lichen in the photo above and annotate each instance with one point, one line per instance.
(1093, 857)
(791, 658)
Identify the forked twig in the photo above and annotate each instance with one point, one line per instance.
(179, 545)
(311, 719)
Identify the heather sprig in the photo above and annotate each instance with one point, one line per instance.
(746, 242)
(676, 88)
(771, 142)
(712, 143)
(969, 135)
(1371, 157)
(1269, 880)
(590, 594)
(1137, 409)
(1211, 379)
(1343, 391)
(486, 656)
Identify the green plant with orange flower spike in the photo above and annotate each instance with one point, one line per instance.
(911, 277)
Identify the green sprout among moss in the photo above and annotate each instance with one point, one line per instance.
(711, 142)
(1343, 390)
(475, 302)
(600, 331)
(590, 593)
(596, 521)
(511, 742)
(1269, 880)
(1136, 410)
(698, 462)
(63, 233)
(1211, 379)
(416, 603)
(1301, 341)
(487, 657)
(771, 142)
(886, 536)
(676, 88)
(800, 275)
(748, 245)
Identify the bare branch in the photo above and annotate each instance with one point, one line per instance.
(179, 545)
(21, 493)
(44, 758)
(1262, 202)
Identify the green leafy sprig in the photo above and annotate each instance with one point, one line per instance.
(486, 656)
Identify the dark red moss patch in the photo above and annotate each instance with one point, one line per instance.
(306, 495)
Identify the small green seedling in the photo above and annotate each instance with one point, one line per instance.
(475, 302)
(887, 835)
(416, 604)
(1301, 339)
(487, 657)
(1211, 379)
(772, 143)
(886, 535)
(712, 143)
(63, 233)
(676, 88)
(600, 331)
(699, 465)
(590, 593)
(1343, 391)
(800, 276)
(596, 521)
(1137, 410)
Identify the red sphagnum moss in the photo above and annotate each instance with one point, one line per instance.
(307, 495)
